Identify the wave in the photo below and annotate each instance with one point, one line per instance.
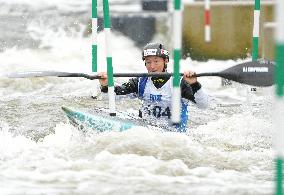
(64, 5)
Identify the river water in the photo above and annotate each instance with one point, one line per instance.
(228, 148)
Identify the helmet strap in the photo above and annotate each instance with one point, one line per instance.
(165, 67)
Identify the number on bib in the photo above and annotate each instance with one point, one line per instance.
(157, 111)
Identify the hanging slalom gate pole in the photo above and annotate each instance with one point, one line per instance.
(279, 100)
(255, 37)
(177, 54)
(109, 58)
(256, 21)
(94, 36)
(207, 28)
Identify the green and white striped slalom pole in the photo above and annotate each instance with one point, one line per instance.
(279, 101)
(94, 36)
(109, 58)
(255, 38)
(177, 22)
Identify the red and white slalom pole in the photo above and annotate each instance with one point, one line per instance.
(207, 30)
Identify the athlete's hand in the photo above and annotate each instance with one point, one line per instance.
(189, 76)
(103, 80)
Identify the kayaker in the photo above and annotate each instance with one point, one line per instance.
(156, 92)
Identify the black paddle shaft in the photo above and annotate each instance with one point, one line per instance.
(256, 73)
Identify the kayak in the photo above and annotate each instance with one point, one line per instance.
(99, 121)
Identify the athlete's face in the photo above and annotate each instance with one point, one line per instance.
(155, 63)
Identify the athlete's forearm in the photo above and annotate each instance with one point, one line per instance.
(201, 99)
(194, 93)
(126, 88)
(188, 91)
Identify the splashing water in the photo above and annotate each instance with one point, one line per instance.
(227, 149)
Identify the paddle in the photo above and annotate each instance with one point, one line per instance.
(256, 73)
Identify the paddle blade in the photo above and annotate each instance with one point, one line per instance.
(256, 73)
